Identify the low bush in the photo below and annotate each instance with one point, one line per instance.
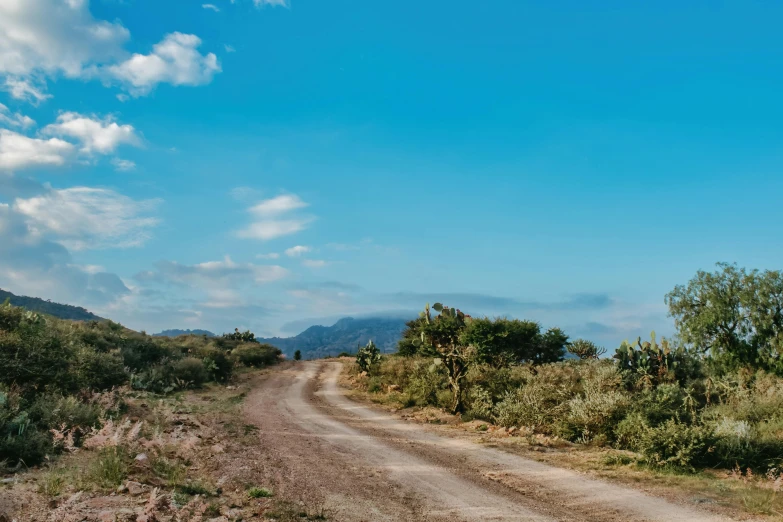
(676, 444)
(189, 373)
(257, 355)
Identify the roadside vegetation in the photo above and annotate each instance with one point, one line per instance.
(709, 399)
(63, 380)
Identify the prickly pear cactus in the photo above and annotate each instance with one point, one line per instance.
(648, 364)
(367, 356)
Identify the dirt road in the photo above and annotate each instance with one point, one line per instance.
(361, 464)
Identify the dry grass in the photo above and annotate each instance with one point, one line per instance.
(183, 456)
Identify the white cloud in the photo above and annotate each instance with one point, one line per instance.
(83, 217)
(47, 39)
(32, 263)
(297, 251)
(273, 3)
(52, 37)
(20, 152)
(212, 7)
(271, 223)
(278, 205)
(314, 263)
(214, 273)
(273, 255)
(123, 97)
(101, 136)
(229, 48)
(174, 60)
(24, 89)
(16, 119)
(271, 229)
(123, 165)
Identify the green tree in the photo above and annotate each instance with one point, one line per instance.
(551, 347)
(441, 336)
(298, 355)
(733, 315)
(500, 342)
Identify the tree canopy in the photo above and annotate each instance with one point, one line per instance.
(733, 315)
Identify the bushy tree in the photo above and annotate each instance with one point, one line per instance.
(733, 315)
(298, 355)
(500, 342)
(246, 337)
(585, 349)
(441, 336)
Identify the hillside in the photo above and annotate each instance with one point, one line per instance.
(343, 336)
(176, 333)
(61, 311)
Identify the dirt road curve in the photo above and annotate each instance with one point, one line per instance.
(364, 465)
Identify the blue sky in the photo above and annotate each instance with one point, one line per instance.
(160, 162)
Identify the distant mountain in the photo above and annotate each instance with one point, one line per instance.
(62, 311)
(343, 336)
(177, 333)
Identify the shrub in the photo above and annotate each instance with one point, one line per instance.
(257, 355)
(189, 372)
(596, 410)
(676, 444)
(425, 382)
(99, 370)
(218, 365)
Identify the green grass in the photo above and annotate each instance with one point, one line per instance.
(195, 488)
(52, 484)
(110, 468)
(256, 492)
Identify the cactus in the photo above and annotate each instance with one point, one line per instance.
(648, 364)
(368, 356)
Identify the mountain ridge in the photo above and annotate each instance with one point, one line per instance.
(45, 306)
(343, 336)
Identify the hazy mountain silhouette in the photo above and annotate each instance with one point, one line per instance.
(62, 311)
(343, 336)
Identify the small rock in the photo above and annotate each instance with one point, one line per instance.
(394, 387)
(231, 387)
(134, 488)
(363, 374)
(106, 516)
(141, 457)
(122, 488)
(218, 448)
